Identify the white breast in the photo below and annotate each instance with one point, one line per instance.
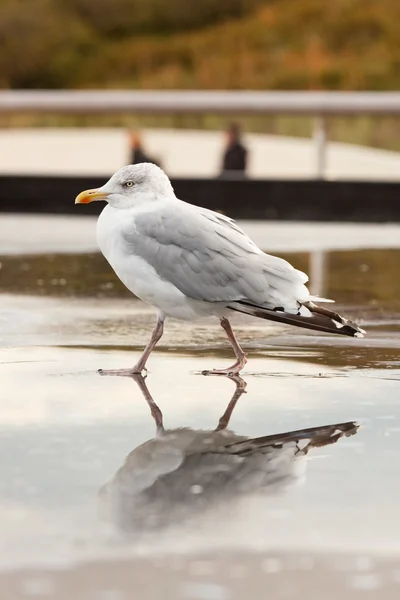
(137, 275)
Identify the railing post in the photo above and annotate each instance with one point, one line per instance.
(317, 270)
(320, 142)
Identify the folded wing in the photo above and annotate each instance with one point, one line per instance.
(208, 257)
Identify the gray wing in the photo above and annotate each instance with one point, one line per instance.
(208, 257)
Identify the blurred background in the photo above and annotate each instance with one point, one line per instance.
(265, 45)
(217, 44)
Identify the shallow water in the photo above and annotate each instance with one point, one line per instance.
(354, 277)
(325, 523)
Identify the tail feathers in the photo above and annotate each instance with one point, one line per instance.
(315, 437)
(320, 319)
(335, 317)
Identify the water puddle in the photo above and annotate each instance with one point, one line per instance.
(193, 486)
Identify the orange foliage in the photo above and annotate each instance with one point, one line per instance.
(223, 44)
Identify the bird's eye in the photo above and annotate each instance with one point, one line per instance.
(128, 184)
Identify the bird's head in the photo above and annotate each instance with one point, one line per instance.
(131, 186)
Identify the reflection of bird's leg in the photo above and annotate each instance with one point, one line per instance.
(240, 355)
(240, 390)
(141, 364)
(154, 409)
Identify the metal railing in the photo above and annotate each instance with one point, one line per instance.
(319, 105)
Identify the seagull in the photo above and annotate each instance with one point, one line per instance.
(184, 472)
(190, 262)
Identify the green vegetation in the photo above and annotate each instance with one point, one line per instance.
(233, 44)
(208, 44)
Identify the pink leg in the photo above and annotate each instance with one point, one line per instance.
(240, 390)
(240, 355)
(141, 364)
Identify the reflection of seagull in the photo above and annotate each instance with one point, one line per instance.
(184, 471)
(190, 262)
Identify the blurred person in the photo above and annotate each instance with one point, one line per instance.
(138, 154)
(234, 162)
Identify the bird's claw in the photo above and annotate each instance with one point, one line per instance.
(231, 374)
(123, 372)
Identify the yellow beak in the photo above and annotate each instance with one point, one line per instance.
(90, 196)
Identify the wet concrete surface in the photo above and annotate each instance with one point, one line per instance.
(78, 521)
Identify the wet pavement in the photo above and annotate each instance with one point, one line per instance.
(317, 516)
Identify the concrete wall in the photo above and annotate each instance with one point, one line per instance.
(302, 200)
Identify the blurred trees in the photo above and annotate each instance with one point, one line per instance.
(233, 44)
(125, 17)
(40, 44)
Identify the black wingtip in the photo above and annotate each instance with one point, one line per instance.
(349, 327)
(320, 319)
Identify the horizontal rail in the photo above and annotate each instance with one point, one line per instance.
(163, 102)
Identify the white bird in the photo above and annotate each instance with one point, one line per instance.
(184, 472)
(189, 262)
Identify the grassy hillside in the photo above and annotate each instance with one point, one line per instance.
(307, 44)
(234, 44)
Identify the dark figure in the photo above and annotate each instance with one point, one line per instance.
(235, 156)
(138, 155)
